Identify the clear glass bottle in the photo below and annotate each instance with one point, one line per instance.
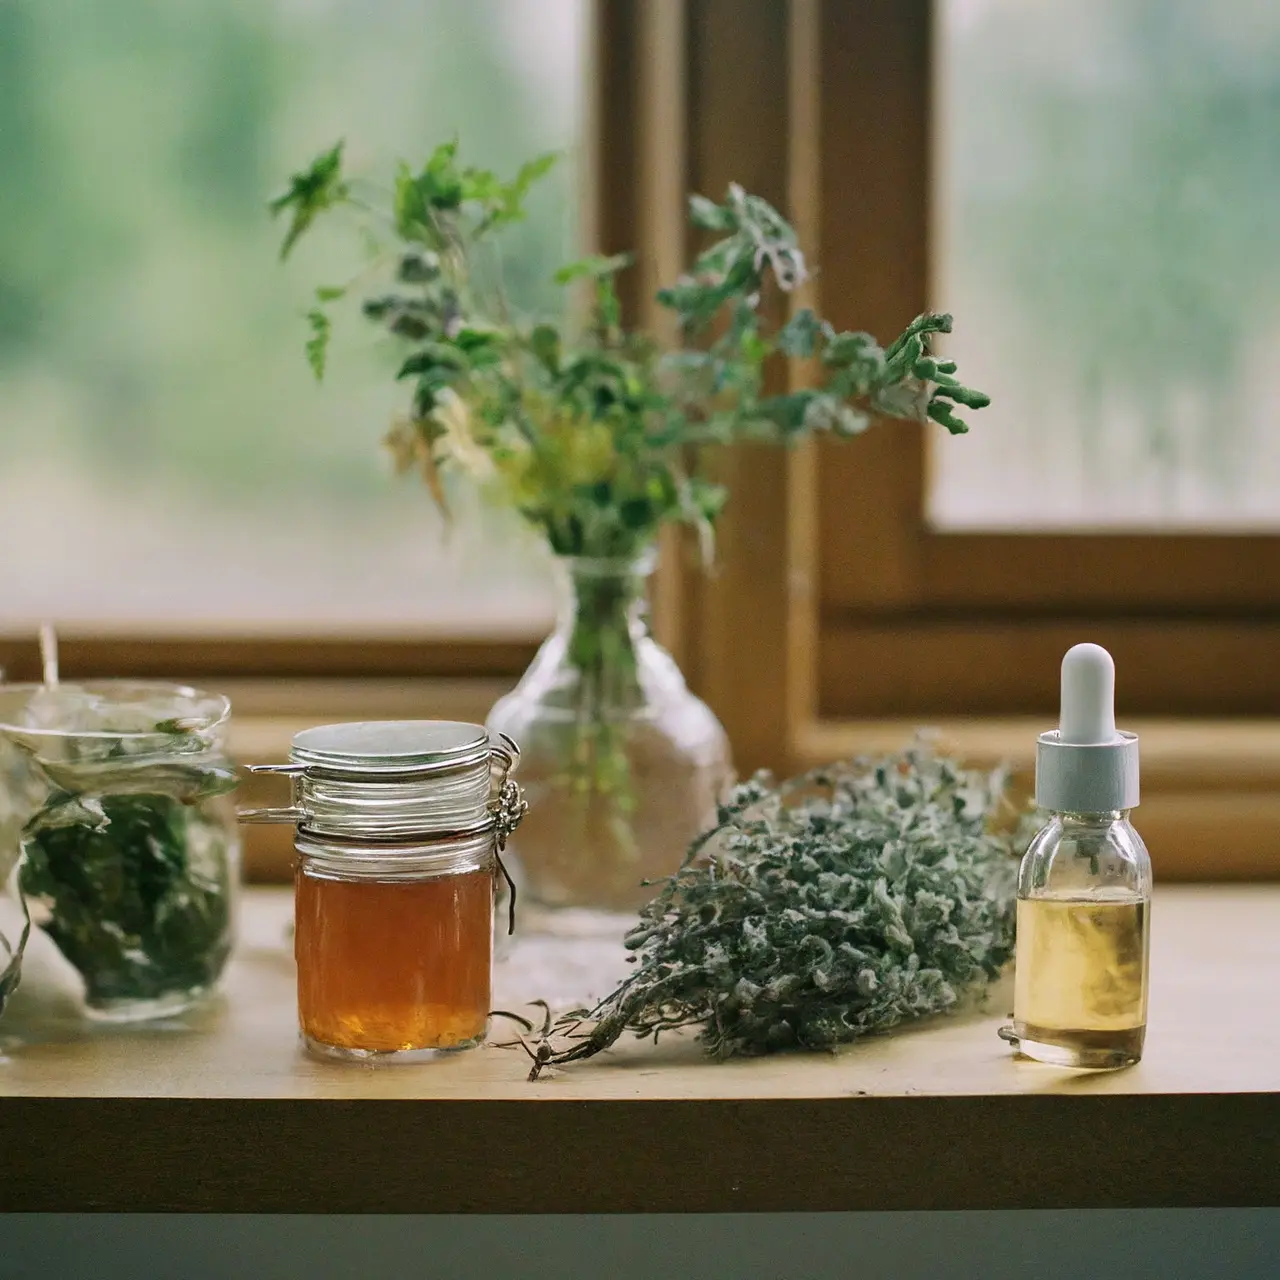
(116, 801)
(623, 766)
(1084, 887)
(399, 831)
(1084, 906)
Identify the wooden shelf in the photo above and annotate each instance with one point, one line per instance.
(1210, 787)
(220, 1111)
(1210, 807)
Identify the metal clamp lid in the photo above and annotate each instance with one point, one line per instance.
(337, 769)
(506, 808)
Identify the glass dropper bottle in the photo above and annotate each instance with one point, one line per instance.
(1084, 886)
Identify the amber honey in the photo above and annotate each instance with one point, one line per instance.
(394, 966)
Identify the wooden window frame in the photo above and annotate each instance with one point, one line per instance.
(965, 622)
(837, 619)
(277, 658)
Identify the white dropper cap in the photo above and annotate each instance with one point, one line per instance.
(1087, 765)
(1087, 714)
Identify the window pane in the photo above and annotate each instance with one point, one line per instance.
(1108, 211)
(166, 460)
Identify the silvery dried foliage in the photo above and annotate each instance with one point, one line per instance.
(840, 903)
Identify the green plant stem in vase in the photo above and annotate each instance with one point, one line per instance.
(598, 438)
(619, 760)
(601, 658)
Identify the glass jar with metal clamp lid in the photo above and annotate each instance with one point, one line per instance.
(400, 829)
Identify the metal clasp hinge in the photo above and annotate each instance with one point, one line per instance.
(508, 808)
(292, 814)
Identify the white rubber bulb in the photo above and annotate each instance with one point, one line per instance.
(1088, 711)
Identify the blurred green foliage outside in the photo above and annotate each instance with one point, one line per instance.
(1110, 174)
(1108, 193)
(153, 388)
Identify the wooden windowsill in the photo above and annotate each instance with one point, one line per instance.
(1208, 754)
(1210, 806)
(220, 1111)
(1210, 788)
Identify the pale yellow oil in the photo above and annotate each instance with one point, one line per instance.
(1080, 994)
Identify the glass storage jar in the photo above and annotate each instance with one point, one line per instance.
(400, 826)
(114, 802)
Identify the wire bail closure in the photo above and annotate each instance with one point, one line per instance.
(292, 813)
(505, 808)
(508, 809)
(509, 806)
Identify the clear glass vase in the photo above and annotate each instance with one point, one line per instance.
(621, 764)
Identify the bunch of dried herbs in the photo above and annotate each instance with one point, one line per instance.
(836, 905)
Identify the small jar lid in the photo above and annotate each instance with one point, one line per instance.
(392, 746)
(398, 781)
(389, 798)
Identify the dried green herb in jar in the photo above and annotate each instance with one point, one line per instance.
(129, 853)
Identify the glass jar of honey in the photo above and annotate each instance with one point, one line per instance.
(400, 828)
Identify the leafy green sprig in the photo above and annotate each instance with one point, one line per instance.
(591, 431)
(857, 381)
